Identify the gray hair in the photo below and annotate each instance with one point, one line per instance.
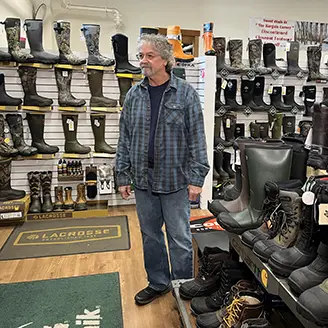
(161, 45)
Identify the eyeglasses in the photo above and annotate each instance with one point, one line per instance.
(149, 57)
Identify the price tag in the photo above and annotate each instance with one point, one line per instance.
(228, 123)
(65, 73)
(237, 161)
(287, 46)
(270, 89)
(283, 91)
(7, 140)
(323, 214)
(224, 84)
(70, 125)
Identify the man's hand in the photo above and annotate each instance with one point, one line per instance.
(125, 191)
(194, 191)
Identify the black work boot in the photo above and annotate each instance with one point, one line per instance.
(230, 93)
(15, 123)
(229, 125)
(98, 123)
(124, 84)
(231, 279)
(247, 95)
(148, 294)
(276, 100)
(218, 162)
(120, 47)
(70, 131)
(288, 124)
(34, 180)
(309, 92)
(289, 99)
(5, 99)
(269, 57)
(293, 55)
(6, 192)
(259, 84)
(208, 276)
(91, 34)
(227, 166)
(36, 125)
(5, 149)
(314, 54)
(45, 178)
(34, 32)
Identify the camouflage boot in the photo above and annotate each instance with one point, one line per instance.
(293, 55)
(124, 84)
(5, 99)
(235, 48)
(46, 178)
(15, 123)
(5, 56)
(219, 46)
(6, 192)
(98, 123)
(35, 191)
(255, 54)
(314, 54)
(81, 201)
(5, 149)
(95, 78)
(65, 97)
(63, 37)
(269, 56)
(13, 28)
(28, 78)
(275, 125)
(59, 199)
(91, 34)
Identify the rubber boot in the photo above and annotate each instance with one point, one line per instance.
(28, 79)
(5, 149)
(235, 48)
(5, 99)
(318, 157)
(227, 166)
(247, 95)
(5, 56)
(63, 37)
(13, 32)
(217, 134)
(293, 55)
(81, 201)
(6, 192)
(259, 84)
(15, 123)
(289, 98)
(304, 127)
(254, 129)
(276, 100)
(263, 164)
(179, 72)
(255, 55)
(208, 39)
(175, 38)
(218, 102)
(288, 124)
(45, 178)
(64, 81)
(95, 78)
(34, 33)
(234, 192)
(309, 94)
(91, 34)
(36, 124)
(124, 84)
(325, 96)
(229, 125)
(121, 53)
(70, 130)
(98, 123)
(275, 125)
(59, 199)
(219, 46)
(264, 129)
(314, 54)
(230, 93)
(240, 130)
(269, 57)
(218, 162)
(35, 191)
(68, 203)
(148, 30)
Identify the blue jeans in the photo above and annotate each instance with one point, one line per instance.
(153, 211)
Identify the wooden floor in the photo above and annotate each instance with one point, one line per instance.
(162, 313)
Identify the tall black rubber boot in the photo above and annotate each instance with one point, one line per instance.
(269, 57)
(247, 95)
(264, 129)
(218, 102)
(229, 125)
(227, 166)
(289, 98)
(219, 45)
(124, 84)
(230, 93)
(259, 84)
(276, 100)
(218, 141)
(218, 162)
(309, 92)
(288, 124)
(293, 55)
(5, 99)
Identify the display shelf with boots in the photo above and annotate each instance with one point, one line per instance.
(34, 180)
(34, 33)
(91, 34)
(46, 178)
(98, 123)
(309, 96)
(15, 123)
(13, 32)
(263, 163)
(148, 30)
(289, 99)
(36, 123)
(59, 199)
(247, 95)
(276, 100)
(314, 54)
(288, 124)
(255, 55)
(124, 84)
(175, 39)
(230, 93)
(7, 193)
(81, 201)
(218, 162)
(269, 57)
(68, 202)
(293, 54)
(72, 146)
(65, 97)
(31, 98)
(208, 39)
(208, 275)
(291, 209)
(229, 121)
(235, 48)
(219, 143)
(259, 84)
(6, 101)
(275, 123)
(226, 165)
(63, 38)
(5, 149)
(95, 78)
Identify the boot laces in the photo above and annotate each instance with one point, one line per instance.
(288, 223)
(205, 268)
(233, 312)
(223, 292)
(307, 229)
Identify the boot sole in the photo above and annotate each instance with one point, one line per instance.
(295, 288)
(154, 298)
(263, 259)
(246, 244)
(279, 269)
(310, 316)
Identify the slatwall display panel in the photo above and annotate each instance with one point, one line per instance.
(53, 131)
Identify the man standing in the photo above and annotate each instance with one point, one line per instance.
(162, 150)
